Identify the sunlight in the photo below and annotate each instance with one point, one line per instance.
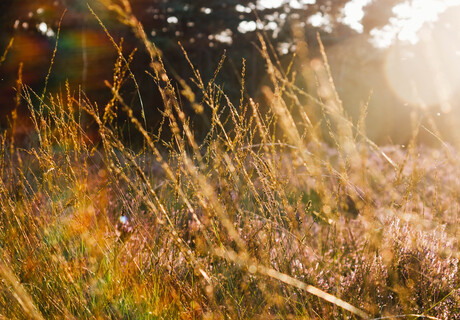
(319, 20)
(237, 159)
(353, 13)
(410, 16)
(423, 69)
(268, 4)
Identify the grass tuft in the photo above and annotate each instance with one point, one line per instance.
(284, 210)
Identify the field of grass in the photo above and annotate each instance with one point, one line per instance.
(274, 215)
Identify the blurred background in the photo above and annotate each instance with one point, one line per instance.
(402, 57)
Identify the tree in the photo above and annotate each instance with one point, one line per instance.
(206, 29)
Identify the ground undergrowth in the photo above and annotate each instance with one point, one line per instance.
(274, 215)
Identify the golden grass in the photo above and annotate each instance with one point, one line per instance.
(261, 219)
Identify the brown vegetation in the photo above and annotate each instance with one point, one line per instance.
(261, 219)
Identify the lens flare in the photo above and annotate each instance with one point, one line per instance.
(427, 74)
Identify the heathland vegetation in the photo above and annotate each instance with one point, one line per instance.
(278, 207)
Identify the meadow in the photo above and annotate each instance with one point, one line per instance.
(285, 210)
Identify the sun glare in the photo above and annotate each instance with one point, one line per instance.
(423, 62)
(425, 71)
(409, 18)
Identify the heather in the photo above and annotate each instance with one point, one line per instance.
(283, 208)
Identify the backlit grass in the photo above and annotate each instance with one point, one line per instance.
(287, 213)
